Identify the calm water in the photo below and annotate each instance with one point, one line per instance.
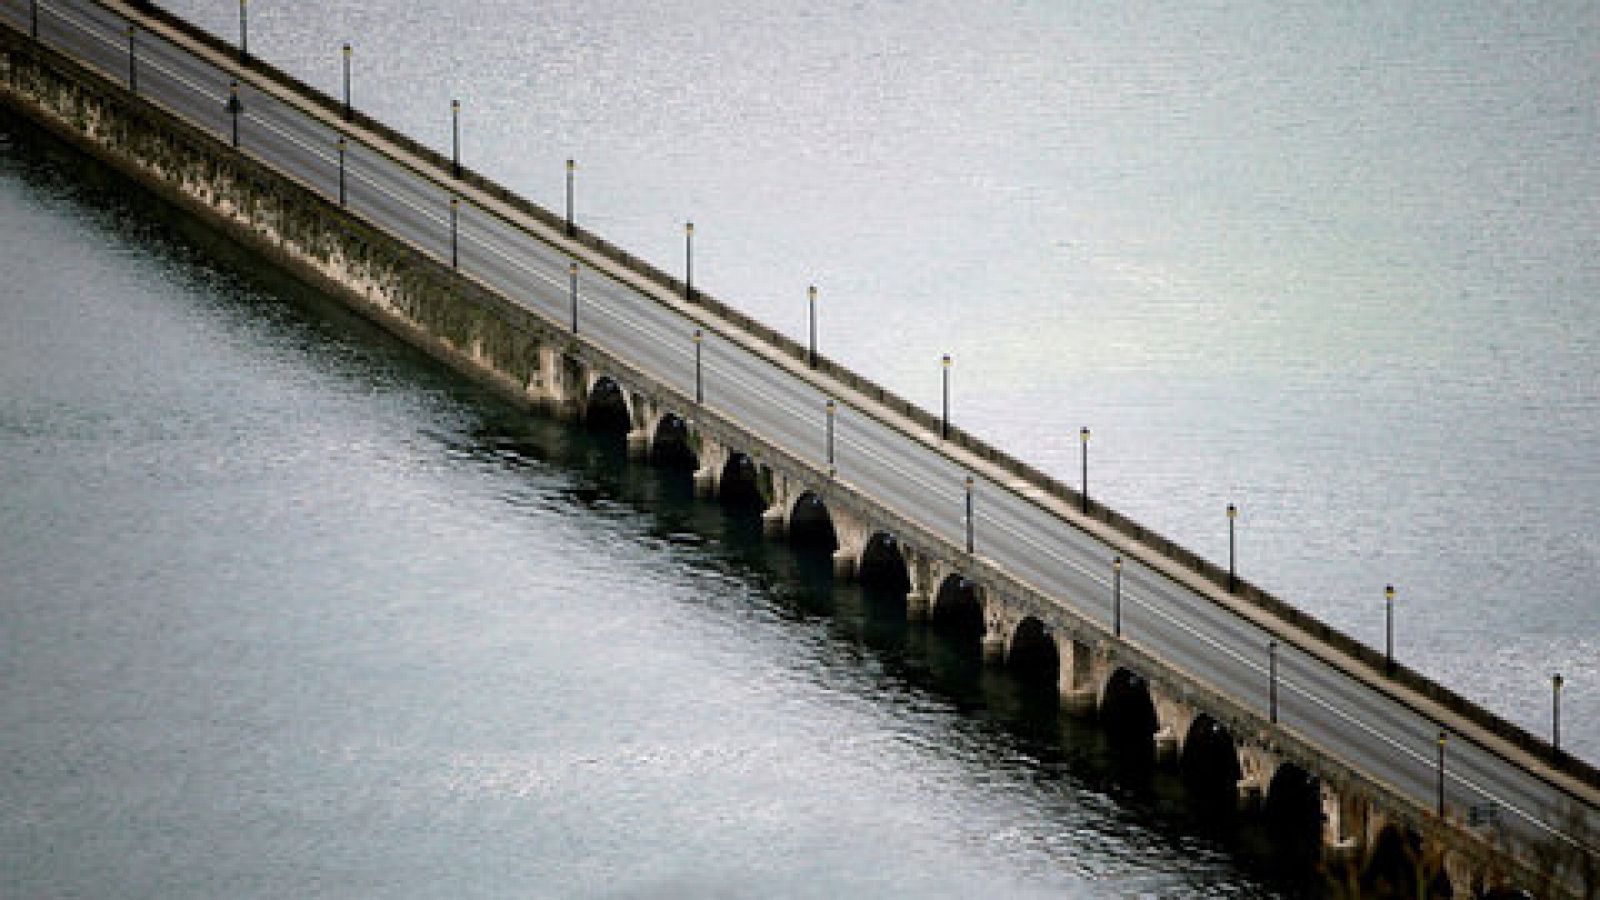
(287, 610)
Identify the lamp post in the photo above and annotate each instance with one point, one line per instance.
(572, 272)
(688, 260)
(1556, 681)
(944, 420)
(455, 219)
(133, 70)
(1443, 738)
(348, 112)
(1116, 596)
(1272, 682)
(812, 317)
(244, 33)
(969, 513)
(699, 382)
(33, 19)
(234, 108)
(830, 430)
(1388, 628)
(1083, 439)
(455, 138)
(342, 147)
(572, 168)
(1233, 578)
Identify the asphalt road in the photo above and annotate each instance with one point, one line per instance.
(1391, 741)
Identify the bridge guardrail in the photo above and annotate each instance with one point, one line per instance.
(1290, 615)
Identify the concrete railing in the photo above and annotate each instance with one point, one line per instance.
(781, 344)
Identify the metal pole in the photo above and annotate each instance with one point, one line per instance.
(944, 420)
(699, 382)
(455, 138)
(811, 353)
(572, 167)
(1083, 437)
(1388, 628)
(1233, 579)
(133, 69)
(1116, 596)
(572, 270)
(33, 19)
(234, 106)
(342, 145)
(349, 110)
(688, 260)
(244, 33)
(455, 216)
(1442, 739)
(1272, 681)
(830, 431)
(969, 513)
(1556, 682)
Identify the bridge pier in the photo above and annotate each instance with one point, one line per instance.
(638, 444)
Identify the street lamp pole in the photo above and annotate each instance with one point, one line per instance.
(1388, 628)
(1116, 596)
(969, 513)
(1233, 577)
(244, 33)
(572, 272)
(688, 260)
(811, 353)
(699, 382)
(33, 19)
(1556, 681)
(830, 430)
(572, 168)
(944, 421)
(455, 138)
(1083, 438)
(1272, 681)
(342, 145)
(347, 109)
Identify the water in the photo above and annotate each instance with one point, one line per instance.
(288, 610)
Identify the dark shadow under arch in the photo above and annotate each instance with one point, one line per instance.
(1210, 763)
(1129, 715)
(883, 566)
(957, 610)
(606, 411)
(811, 525)
(740, 485)
(672, 445)
(1034, 656)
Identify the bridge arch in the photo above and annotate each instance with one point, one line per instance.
(883, 564)
(1210, 761)
(671, 443)
(1127, 711)
(606, 409)
(740, 484)
(810, 523)
(958, 608)
(1402, 864)
(1033, 654)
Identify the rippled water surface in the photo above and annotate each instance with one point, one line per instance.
(288, 610)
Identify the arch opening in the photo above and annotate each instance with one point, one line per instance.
(1034, 656)
(672, 447)
(957, 611)
(606, 411)
(1401, 864)
(1294, 804)
(1128, 713)
(740, 485)
(1210, 763)
(811, 526)
(883, 565)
